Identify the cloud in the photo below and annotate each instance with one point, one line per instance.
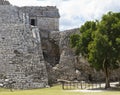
(75, 12)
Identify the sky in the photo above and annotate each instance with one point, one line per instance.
(74, 13)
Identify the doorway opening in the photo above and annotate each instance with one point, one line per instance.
(33, 22)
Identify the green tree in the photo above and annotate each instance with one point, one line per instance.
(99, 42)
(80, 42)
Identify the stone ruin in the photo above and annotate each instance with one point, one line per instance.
(21, 55)
(34, 53)
(4, 2)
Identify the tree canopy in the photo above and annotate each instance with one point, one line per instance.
(99, 42)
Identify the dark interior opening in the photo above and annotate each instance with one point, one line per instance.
(33, 22)
(51, 52)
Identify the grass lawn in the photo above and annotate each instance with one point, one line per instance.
(56, 90)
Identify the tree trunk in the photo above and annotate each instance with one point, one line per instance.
(107, 84)
(119, 82)
(106, 71)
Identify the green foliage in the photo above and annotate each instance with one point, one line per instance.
(112, 23)
(86, 36)
(74, 41)
(80, 42)
(100, 42)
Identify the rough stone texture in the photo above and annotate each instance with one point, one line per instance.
(10, 14)
(49, 11)
(47, 18)
(64, 67)
(50, 49)
(70, 66)
(66, 64)
(33, 52)
(21, 56)
(51, 52)
(4, 2)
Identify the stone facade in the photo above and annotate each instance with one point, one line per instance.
(45, 18)
(34, 53)
(21, 55)
(66, 66)
(4, 2)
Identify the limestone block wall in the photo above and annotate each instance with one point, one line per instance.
(48, 11)
(46, 18)
(67, 57)
(10, 14)
(4, 2)
(70, 66)
(50, 48)
(51, 24)
(21, 58)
